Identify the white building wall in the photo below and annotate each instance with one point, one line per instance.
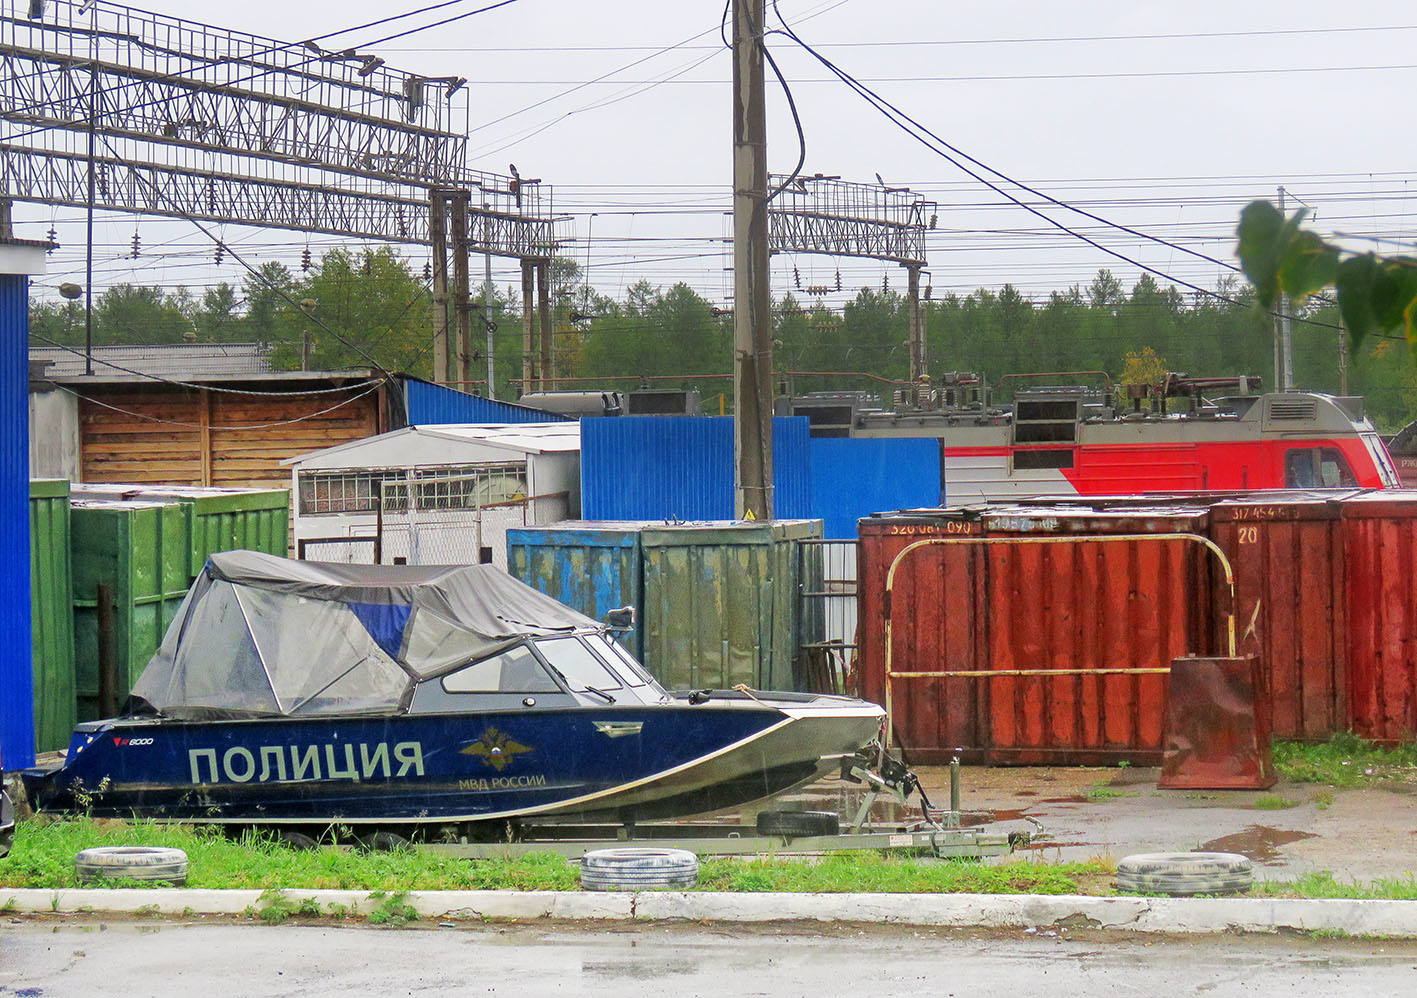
(54, 435)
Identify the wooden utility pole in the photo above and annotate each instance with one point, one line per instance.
(1342, 358)
(752, 303)
(438, 236)
(488, 321)
(461, 302)
(528, 329)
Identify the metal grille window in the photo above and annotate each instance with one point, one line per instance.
(339, 492)
(469, 488)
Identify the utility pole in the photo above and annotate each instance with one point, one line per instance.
(438, 236)
(88, 224)
(917, 324)
(752, 304)
(487, 314)
(461, 306)
(543, 313)
(1284, 348)
(528, 329)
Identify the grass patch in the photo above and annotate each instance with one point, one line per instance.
(1323, 885)
(1345, 761)
(884, 874)
(1274, 802)
(1102, 792)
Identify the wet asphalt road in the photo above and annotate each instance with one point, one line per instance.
(40, 958)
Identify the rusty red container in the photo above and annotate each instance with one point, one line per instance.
(1044, 593)
(1380, 561)
(1286, 551)
(936, 626)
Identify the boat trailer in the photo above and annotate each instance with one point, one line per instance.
(939, 833)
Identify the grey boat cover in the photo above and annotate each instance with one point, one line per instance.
(261, 635)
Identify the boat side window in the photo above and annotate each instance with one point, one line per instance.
(581, 667)
(516, 670)
(619, 659)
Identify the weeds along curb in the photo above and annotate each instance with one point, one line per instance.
(997, 911)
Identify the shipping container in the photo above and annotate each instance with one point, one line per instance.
(1024, 590)
(1380, 559)
(591, 566)
(722, 602)
(1286, 551)
(138, 553)
(218, 519)
(937, 627)
(51, 615)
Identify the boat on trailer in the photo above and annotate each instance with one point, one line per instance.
(296, 694)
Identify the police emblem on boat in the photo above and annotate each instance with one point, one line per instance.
(495, 748)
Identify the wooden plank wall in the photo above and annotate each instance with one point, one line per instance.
(173, 436)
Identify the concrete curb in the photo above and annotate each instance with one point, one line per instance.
(988, 911)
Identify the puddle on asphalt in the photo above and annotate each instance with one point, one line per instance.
(1259, 842)
(1072, 799)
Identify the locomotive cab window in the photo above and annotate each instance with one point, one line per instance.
(1317, 468)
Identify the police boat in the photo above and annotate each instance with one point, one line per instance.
(301, 694)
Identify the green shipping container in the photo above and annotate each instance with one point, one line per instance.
(221, 519)
(722, 602)
(51, 615)
(142, 551)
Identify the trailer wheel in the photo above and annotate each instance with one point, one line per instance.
(383, 841)
(1185, 873)
(638, 869)
(798, 823)
(301, 841)
(132, 863)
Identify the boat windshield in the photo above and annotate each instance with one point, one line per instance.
(582, 668)
(626, 667)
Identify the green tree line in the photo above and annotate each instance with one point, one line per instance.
(351, 310)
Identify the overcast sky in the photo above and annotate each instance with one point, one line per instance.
(1165, 117)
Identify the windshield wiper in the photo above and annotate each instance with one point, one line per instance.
(601, 693)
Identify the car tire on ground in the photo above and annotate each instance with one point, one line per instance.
(799, 823)
(383, 841)
(293, 839)
(637, 869)
(132, 863)
(1183, 874)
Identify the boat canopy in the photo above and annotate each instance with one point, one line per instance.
(266, 636)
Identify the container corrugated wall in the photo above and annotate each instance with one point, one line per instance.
(854, 477)
(429, 404)
(721, 603)
(219, 519)
(981, 608)
(16, 680)
(665, 467)
(51, 615)
(1287, 556)
(1380, 562)
(142, 551)
(593, 567)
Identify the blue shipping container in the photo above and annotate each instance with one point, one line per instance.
(671, 468)
(593, 567)
(855, 477)
(427, 404)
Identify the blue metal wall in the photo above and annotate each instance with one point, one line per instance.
(854, 477)
(665, 467)
(16, 683)
(429, 404)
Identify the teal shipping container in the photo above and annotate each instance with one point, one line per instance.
(139, 553)
(591, 566)
(51, 614)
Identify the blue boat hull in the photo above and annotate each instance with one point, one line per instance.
(621, 762)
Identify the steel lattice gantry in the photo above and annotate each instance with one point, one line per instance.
(830, 216)
(51, 177)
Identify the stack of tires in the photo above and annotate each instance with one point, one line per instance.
(1185, 874)
(639, 869)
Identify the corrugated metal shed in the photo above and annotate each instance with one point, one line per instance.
(17, 259)
(451, 444)
(853, 477)
(661, 467)
(52, 615)
(427, 403)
